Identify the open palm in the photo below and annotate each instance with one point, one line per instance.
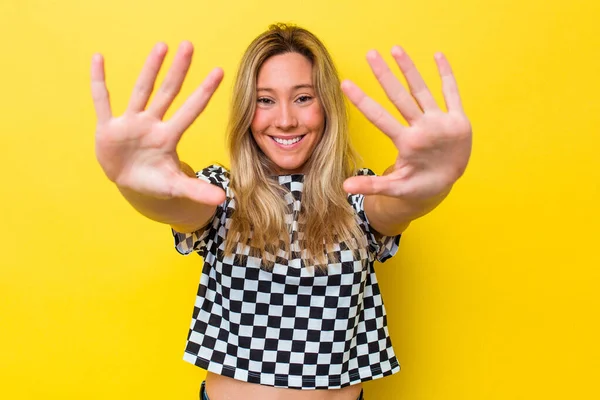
(137, 150)
(433, 151)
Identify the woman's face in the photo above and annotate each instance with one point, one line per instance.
(289, 119)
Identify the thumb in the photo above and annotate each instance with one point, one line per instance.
(366, 184)
(199, 191)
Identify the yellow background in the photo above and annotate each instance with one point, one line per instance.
(493, 296)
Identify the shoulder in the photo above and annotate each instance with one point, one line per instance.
(356, 199)
(381, 247)
(365, 171)
(216, 175)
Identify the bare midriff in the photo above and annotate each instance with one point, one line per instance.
(219, 387)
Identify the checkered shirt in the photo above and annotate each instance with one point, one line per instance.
(293, 326)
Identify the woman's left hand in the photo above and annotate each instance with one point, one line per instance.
(433, 151)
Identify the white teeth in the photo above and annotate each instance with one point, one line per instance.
(286, 142)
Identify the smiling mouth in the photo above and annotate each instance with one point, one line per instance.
(288, 142)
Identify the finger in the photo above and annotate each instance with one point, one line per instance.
(199, 191)
(145, 82)
(449, 85)
(100, 94)
(415, 81)
(196, 103)
(174, 80)
(394, 90)
(367, 185)
(373, 111)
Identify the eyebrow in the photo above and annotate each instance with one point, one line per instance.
(302, 86)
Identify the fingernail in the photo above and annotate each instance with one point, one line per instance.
(346, 84)
(372, 54)
(397, 51)
(161, 47)
(186, 45)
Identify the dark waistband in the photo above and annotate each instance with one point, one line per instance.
(204, 396)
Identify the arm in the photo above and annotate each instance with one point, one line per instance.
(184, 215)
(137, 150)
(433, 151)
(391, 216)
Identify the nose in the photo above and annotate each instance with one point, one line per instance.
(286, 118)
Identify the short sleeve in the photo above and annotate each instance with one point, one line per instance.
(186, 243)
(381, 247)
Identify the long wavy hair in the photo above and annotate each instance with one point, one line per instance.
(260, 206)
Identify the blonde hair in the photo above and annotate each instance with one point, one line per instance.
(260, 207)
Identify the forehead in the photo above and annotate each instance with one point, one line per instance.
(285, 70)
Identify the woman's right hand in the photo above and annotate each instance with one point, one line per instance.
(137, 150)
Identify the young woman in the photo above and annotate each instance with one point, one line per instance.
(288, 297)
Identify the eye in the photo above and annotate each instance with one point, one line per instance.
(304, 99)
(264, 100)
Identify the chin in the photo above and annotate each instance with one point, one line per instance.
(289, 168)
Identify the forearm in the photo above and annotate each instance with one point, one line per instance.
(391, 216)
(184, 215)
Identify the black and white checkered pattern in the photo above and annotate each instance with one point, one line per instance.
(290, 327)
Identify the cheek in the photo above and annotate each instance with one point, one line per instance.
(260, 121)
(315, 119)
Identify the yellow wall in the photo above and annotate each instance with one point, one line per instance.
(493, 295)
